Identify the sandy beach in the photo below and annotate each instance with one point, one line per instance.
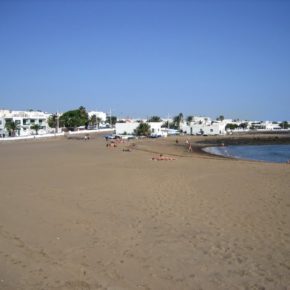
(75, 214)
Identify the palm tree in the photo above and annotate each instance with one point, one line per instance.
(177, 120)
(98, 121)
(11, 126)
(112, 120)
(54, 121)
(189, 119)
(244, 125)
(35, 127)
(284, 125)
(220, 118)
(93, 120)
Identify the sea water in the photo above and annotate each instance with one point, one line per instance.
(268, 153)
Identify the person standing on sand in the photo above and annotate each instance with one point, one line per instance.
(189, 147)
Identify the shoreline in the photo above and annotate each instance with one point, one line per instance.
(244, 140)
(250, 139)
(168, 146)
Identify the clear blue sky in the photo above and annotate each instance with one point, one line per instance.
(144, 58)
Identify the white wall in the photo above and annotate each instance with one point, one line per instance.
(155, 127)
(128, 128)
(208, 129)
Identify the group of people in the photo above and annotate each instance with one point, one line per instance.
(161, 158)
(114, 143)
(111, 145)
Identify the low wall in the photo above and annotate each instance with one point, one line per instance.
(54, 135)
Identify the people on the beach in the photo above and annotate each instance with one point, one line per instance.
(161, 158)
(111, 145)
(127, 150)
(189, 147)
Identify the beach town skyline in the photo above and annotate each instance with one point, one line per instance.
(123, 116)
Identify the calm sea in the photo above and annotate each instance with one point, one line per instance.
(268, 153)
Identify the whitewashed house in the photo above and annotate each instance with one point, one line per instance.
(126, 128)
(214, 128)
(101, 115)
(130, 127)
(264, 125)
(204, 126)
(269, 125)
(25, 120)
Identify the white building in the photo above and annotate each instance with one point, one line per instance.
(129, 128)
(201, 120)
(101, 115)
(125, 128)
(25, 120)
(204, 126)
(264, 125)
(214, 128)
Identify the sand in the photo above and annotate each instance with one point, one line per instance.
(77, 215)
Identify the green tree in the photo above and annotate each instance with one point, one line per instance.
(165, 125)
(220, 118)
(111, 120)
(231, 126)
(75, 118)
(11, 126)
(284, 125)
(84, 115)
(52, 121)
(155, 119)
(244, 125)
(36, 128)
(189, 119)
(143, 130)
(169, 125)
(93, 120)
(177, 120)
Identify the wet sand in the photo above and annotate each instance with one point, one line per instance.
(75, 214)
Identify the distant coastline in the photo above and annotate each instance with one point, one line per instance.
(238, 140)
(246, 139)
